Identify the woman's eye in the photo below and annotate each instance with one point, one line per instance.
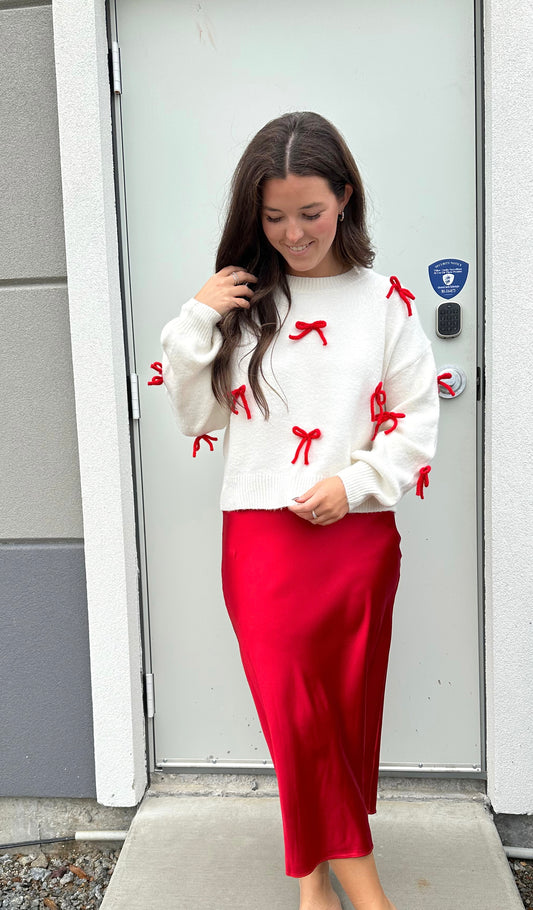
(272, 220)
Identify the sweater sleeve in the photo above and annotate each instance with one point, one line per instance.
(190, 344)
(391, 465)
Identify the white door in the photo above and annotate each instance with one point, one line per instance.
(398, 79)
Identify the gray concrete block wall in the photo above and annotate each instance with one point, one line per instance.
(46, 710)
(31, 238)
(38, 445)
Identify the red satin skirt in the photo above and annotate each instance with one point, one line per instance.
(312, 607)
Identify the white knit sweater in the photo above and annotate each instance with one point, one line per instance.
(332, 389)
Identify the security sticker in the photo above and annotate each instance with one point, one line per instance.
(448, 276)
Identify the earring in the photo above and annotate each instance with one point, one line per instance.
(341, 215)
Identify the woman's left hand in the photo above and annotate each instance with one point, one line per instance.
(328, 500)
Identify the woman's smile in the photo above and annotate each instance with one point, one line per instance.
(300, 249)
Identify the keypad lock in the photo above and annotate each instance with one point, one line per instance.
(449, 319)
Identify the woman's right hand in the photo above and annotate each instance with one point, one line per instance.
(223, 293)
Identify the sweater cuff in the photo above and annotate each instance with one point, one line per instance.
(359, 482)
(196, 318)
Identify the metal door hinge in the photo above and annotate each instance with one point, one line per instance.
(116, 71)
(134, 396)
(149, 694)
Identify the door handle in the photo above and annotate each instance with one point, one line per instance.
(453, 378)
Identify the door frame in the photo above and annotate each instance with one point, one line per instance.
(107, 457)
(259, 767)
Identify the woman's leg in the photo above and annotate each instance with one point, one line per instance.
(316, 890)
(360, 880)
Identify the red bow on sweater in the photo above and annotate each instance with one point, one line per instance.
(445, 384)
(423, 481)
(404, 293)
(307, 327)
(156, 380)
(196, 444)
(379, 398)
(306, 440)
(240, 393)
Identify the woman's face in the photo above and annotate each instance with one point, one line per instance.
(300, 217)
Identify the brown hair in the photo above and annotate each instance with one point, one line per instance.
(303, 144)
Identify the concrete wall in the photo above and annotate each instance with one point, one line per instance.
(509, 434)
(100, 386)
(45, 708)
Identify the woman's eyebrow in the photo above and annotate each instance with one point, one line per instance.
(268, 208)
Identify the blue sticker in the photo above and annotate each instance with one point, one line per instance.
(448, 276)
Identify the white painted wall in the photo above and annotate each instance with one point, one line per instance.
(83, 92)
(99, 377)
(509, 431)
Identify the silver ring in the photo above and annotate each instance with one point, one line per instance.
(235, 281)
(315, 516)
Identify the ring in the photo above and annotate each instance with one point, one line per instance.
(315, 516)
(235, 281)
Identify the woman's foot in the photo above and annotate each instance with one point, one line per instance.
(316, 890)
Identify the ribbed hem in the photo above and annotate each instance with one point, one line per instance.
(277, 491)
(299, 283)
(358, 479)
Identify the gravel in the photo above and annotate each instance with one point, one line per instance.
(72, 878)
(522, 870)
(75, 878)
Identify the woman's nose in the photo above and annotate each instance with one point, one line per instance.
(294, 232)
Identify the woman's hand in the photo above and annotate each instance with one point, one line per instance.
(328, 500)
(227, 289)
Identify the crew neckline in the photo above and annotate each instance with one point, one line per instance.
(301, 283)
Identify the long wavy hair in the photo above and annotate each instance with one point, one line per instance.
(304, 144)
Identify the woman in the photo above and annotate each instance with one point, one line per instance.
(320, 373)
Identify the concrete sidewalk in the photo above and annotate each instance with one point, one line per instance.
(218, 852)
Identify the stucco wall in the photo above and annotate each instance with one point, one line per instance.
(509, 435)
(100, 385)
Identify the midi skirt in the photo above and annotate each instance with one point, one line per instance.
(311, 608)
